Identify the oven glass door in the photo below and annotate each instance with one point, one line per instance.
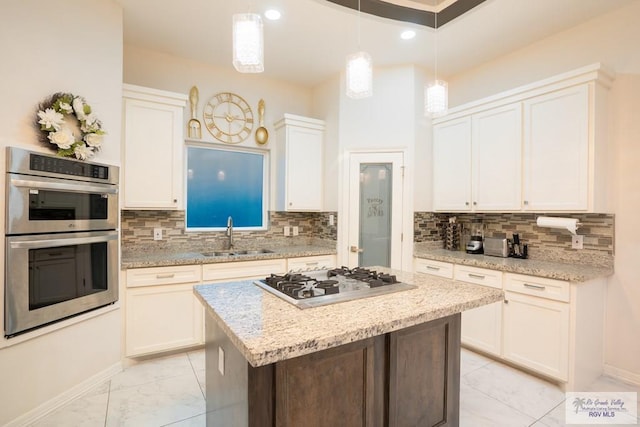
(50, 205)
(51, 277)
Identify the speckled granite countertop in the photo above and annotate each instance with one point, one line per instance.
(267, 329)
(549, 269)
(160, 258)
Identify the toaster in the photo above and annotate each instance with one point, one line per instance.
(494, 246)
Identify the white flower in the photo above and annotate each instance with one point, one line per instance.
(83, 152)
(66, 108)
(93, 139)
(62, 138)
(78, 107)
(50, 118)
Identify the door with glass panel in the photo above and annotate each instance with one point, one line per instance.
(375, 209)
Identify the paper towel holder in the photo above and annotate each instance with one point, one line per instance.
(569, 224)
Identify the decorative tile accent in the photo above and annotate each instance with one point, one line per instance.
(137, 229)
(543, 243)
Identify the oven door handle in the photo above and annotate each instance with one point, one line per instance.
(48, 243)
(45, 185)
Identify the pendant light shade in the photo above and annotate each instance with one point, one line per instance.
(248, 43)
(359, 75)
(436, 98)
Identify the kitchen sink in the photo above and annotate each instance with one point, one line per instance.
(236, 253)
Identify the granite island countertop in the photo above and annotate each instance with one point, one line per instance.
(266, 329)
(181, 256)
(548, 269)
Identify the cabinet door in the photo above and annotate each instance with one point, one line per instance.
(452, 165)
(496, 154)
(556, 150)
(161, 318)
(152, 155)
(482, 328)
(536, 334)
(304, 169)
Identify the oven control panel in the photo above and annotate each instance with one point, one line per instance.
(62, 166)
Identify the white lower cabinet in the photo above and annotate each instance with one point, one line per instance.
(242, 270)
(536, 334)
(434, 268)
(552, 327)
(162, 313)
(307, 263)
(482, 326)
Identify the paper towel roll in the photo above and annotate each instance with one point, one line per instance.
(570, 224)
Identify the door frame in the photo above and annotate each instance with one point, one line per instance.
(406, 209)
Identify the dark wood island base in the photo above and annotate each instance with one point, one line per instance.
(406, 378)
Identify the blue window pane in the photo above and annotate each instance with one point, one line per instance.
(223, 183)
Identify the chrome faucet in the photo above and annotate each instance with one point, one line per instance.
(230, 231)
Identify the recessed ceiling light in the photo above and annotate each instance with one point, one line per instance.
(407, 35)
(272, 14)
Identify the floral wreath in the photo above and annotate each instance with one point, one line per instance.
(66, 121)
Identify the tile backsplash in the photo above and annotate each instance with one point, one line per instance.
(137, 230)
(544, 243)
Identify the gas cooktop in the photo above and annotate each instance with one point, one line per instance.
(322, 287)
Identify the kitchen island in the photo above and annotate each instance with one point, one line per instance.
(391, 360)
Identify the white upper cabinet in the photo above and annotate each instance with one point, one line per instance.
(496, 159)
(153, 148)
(556, 150)
(452, 165)
(477, 161)
(299, 159)
(540, 147)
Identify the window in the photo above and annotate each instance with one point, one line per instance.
(223, 183)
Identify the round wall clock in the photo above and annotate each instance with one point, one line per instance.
(228, 117)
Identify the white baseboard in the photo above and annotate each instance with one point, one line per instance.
(622, 375)
(65, 397)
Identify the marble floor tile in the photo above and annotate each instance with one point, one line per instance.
(201, 375)
(88, 410)
(157, 403)
(197, 421)
(151, 370)
(526, 393)
(480, 410)
(470, 361)
(196, 358)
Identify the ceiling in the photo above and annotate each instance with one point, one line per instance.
(310, 42)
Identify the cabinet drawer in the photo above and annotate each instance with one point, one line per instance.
(311, 263)
(153, 276)
(479, 276)
(434, 268)
(557, 290)
(243, 269)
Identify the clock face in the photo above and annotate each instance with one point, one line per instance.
(228, 118)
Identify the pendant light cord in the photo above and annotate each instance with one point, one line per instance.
(435, 43)
(358, 24)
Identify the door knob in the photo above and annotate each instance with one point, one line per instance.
(356, 249)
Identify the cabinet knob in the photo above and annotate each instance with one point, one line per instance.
(526, 202)
(506, 301)
(475, 203)
(175, 200)
(466, 203)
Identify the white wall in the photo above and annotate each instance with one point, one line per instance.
(162, 71)
(610, 39)
(46, 47)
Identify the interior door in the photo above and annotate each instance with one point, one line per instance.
(375, 209)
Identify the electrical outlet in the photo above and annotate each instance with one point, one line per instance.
(296, 230)
(221, 360)
(577, 242)
(157, 234)
(287, 231)
(332, 219)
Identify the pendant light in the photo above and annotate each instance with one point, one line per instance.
(436, 94)
(248, 43)
(359, 78)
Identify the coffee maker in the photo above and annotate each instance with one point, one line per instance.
(474, 245)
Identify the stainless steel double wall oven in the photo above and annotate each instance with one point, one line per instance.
(61, 243)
